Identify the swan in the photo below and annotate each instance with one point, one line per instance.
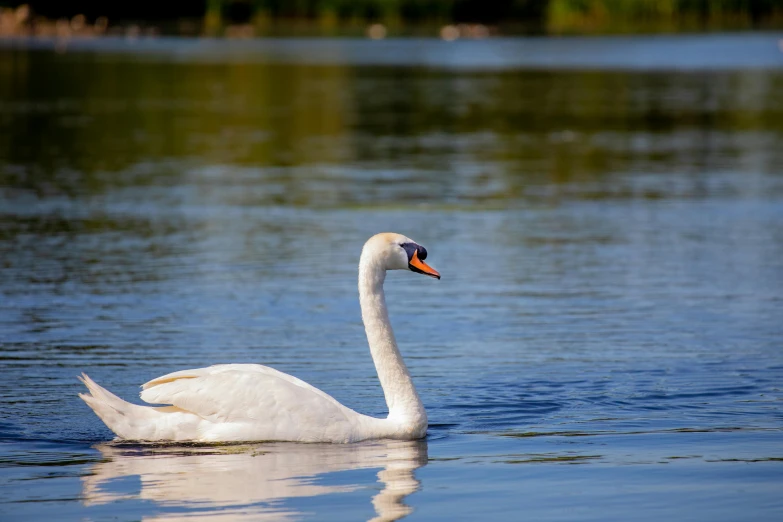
(251, 402)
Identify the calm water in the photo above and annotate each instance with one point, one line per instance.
(607, 339)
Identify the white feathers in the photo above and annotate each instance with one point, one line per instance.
(241, 402)
(250, 402)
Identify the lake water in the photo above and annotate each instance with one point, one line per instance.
(607, 214)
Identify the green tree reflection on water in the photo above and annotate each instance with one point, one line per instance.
(297, 134)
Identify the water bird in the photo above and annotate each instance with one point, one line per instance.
(252, 402)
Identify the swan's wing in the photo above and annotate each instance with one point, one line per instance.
(244, 393)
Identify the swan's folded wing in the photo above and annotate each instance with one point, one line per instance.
(243, 393)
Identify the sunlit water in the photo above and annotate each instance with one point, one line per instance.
(606, 341)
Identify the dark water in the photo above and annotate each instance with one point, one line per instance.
(606, 341)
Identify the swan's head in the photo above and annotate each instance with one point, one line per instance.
(397, 252)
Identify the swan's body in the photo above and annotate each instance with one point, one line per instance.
(251, 402)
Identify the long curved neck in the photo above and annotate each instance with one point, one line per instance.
(401, 396)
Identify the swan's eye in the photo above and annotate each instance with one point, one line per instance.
(409, 248)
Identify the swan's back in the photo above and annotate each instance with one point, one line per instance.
(231, 403)
(244, 402)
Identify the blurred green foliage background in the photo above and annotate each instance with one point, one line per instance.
(401, 17)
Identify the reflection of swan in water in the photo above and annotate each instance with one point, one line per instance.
(250, 402)
(251, 482)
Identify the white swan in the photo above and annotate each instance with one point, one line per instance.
(251, 402)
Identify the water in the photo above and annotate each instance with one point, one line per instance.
(605, 342)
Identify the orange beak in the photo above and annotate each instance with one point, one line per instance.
(417, 265)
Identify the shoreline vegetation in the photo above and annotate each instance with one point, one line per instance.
(376, 19)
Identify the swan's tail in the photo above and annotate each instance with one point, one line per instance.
(128, 421)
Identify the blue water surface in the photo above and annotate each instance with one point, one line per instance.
(605, 343)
